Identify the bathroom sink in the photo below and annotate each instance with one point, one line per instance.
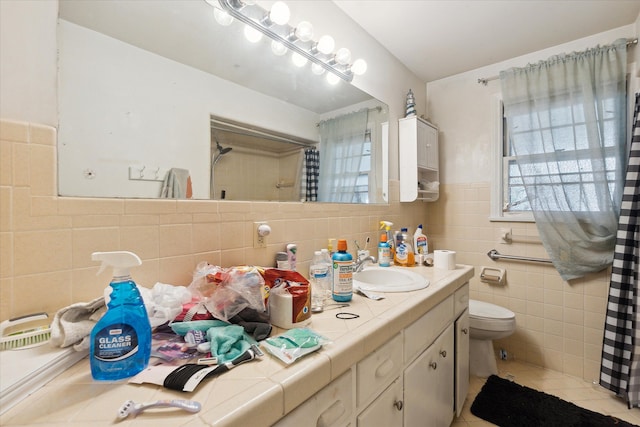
(388, 279)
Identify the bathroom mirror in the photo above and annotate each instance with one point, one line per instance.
(139, 84)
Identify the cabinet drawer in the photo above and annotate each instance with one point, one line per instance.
(461, 299)
(331, 406)
(421, 333)
(378, 369)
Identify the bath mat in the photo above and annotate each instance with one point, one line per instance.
(507, 404)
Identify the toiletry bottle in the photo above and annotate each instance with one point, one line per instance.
(404, 253)
(342, 287)
(319, 280)
(386, 225)
(384, 251)
(330, 247)
(120, 344)
(420, 245)
(292, 249)
(282, 261)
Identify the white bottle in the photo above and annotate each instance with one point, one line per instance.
(292, 250)
(420, 243)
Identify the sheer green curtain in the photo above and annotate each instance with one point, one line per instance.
(566, 121)
(342, 141)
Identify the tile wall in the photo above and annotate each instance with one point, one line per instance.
(559, 324)
(46, 241)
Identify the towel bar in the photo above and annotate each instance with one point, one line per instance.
(495, 255)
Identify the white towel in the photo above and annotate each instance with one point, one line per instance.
(72, 325)
(176, 185)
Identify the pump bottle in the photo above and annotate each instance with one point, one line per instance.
(121, 340)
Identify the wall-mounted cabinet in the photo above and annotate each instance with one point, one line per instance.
(419, 171)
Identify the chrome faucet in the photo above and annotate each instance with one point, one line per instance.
(359, 264)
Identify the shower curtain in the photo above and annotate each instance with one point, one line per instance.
(620, 366)
(310, 172)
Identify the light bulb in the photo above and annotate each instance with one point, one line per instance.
(359, 67)
(298, 59)
(279, 13)
(332, 79)
(222, 17)
(252, 34)
(304, 31)
(343, 56)
(326, 44)
(278, 48)
(317, 69)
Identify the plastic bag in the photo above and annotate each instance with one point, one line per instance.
(294, 343)
(226, 292)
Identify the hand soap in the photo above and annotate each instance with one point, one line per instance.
(121, 340)
(404, 253)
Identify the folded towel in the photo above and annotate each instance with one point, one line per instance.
(227, 342)
(177, 185)
(72, 325)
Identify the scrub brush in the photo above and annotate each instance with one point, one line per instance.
(26, 338)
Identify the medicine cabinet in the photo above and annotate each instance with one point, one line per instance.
(419, 172)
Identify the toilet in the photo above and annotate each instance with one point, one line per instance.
(487, 322)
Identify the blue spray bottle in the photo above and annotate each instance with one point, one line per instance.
(121, 340)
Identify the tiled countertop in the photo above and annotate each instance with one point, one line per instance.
(254, 394)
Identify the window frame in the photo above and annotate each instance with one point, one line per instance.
(499, 180)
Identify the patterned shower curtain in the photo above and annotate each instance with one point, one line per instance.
(310, 174)
(620, 367)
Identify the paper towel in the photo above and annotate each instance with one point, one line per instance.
(444, 260)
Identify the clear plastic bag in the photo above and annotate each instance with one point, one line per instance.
(293, 344)
(225, 292)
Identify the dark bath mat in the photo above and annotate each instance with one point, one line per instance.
(507, 404)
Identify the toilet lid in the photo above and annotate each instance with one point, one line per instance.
(485, 310)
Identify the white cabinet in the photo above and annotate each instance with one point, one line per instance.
(386, 410)
(418, 155)
(462, 359)
(331, 406)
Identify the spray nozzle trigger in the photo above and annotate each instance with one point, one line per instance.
(121, 261)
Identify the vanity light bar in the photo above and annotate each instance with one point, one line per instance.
(254, 16)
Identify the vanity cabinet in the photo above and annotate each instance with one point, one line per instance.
(419, 171)
(420, 377)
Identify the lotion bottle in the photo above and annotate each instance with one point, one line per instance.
(420, 244)
(120, 344)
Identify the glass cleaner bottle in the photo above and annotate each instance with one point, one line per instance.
(342, 287)
(121, 340)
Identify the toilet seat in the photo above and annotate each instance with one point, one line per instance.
(490, 317)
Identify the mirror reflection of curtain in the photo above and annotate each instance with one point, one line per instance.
(342, 142)
(310, 172)
(566, 124)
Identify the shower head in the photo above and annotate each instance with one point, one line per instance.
(222, 150)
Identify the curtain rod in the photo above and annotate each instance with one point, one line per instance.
(486, 80)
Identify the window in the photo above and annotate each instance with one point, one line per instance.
(575, 171)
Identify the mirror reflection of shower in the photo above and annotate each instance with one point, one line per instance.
(220, 151)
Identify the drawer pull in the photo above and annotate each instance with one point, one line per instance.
(398, 405)
(434, 365)
(384, 369)
(331, 415)
(443, 353)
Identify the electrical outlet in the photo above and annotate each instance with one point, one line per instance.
(259, 239)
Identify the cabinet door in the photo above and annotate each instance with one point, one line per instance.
(462, 360)
(429, 383)
(431, 146)
(386, 410)
(422, 156)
